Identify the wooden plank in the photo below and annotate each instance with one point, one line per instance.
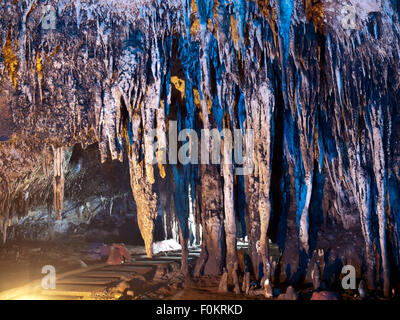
(146, 272)
(177, 258)
(147, 262)
(60, 298)
(107, 274)
(118, 272)
(130, 268)
(80, 271)
(87, 280)
(37, 284)
(168, 258)
(73, 290)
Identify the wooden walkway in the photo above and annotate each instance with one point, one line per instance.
(85, 283)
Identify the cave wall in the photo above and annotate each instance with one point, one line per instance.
(98, 205)
(320, 91)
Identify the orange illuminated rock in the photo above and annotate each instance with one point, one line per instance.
(118, 254)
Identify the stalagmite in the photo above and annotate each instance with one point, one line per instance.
(362, 290)
(4, 226)
(230, 226)
(246, 283)
(304, 219)
(260, 107)
(223, 284)
(211, 260)
(316, 277)
(268, 291)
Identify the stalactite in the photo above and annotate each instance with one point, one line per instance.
(300, 91)
(145, 198)
(146, 203)
(4, 206)
(58, 181)
(111, 117)
(380, 180)
(211, 259)
(360, 186)
(47, 160)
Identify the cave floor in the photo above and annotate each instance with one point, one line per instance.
(81, 275)
(21, 267)
(22, 263)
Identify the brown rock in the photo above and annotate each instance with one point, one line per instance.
(325, 295)
(289, 295)
(223, 285)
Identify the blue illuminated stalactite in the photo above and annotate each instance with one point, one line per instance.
(187, 12)
(328, 142)
(181, 179)
(373, 104)
(119, 146)
(166, 78)
(218, 110)
(285, 18)
(240, 10)
(205, 10)
(291, 134)
(187, 174)
(242, 112)
(130, 133)
(292, 137)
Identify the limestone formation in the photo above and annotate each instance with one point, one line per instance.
(319, 88)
